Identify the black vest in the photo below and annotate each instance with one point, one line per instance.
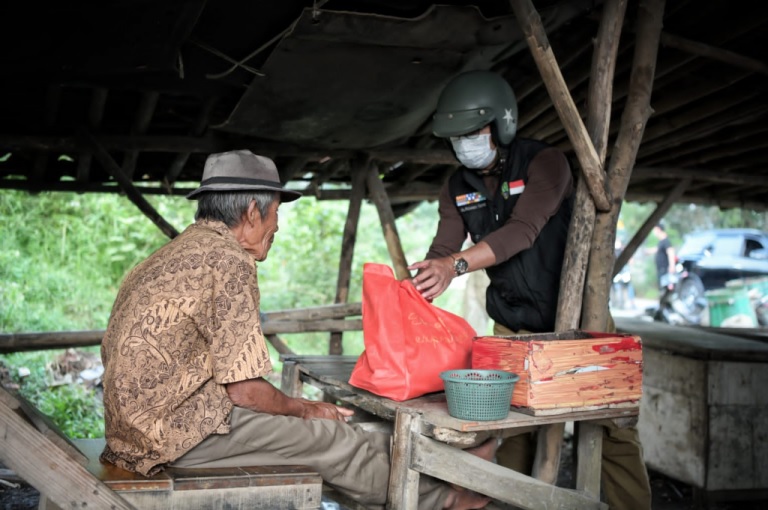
(523, 290)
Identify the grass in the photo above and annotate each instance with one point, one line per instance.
(64, 256)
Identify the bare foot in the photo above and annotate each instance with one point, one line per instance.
(485, 451)
(465, 500)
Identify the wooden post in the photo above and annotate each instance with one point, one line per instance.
(403, 491)
(359, 176)
(379, 196)
(547, 461)
(589, 451)
(633, 121)
(530, 23)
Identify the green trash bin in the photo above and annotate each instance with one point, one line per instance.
(731, 307)
(756, 286)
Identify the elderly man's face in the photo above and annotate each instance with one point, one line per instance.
(260, 231)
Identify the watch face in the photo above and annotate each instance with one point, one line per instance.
(460, 266)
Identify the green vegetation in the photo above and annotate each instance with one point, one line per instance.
(64, 255)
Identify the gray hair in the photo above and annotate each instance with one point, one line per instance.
(230, 207)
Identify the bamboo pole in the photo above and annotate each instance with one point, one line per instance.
(634, 118)
(530, 22)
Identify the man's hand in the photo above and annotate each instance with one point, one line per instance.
(434, 276)
(261, 396)
(325, 410)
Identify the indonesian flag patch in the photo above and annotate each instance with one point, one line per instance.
(516, 187)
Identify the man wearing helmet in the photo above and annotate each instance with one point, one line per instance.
(514, 198)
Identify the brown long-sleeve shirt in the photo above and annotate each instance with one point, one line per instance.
(549, 183)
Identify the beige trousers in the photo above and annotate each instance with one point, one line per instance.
(625, 480)
(353, 461)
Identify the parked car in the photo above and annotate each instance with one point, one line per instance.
(706, 261)
(719, 255)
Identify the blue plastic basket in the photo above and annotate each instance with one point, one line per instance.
(479, 395)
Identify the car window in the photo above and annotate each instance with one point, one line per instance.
(697, 244)
(728, 246)
(752, 245)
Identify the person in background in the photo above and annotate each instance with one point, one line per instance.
(665, 255)
(622, 290)
(186, 361)
(514, 197)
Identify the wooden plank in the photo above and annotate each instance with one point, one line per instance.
(314, 313)
(693, 342)
(49, 469)
(589, 457)
(734, 384)
(17, 342)
(290, 384)
(737, 447)
(403, 491)
(459, 467)
(378, 195)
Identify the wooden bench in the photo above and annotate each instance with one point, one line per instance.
(68, 473)
(258, 487)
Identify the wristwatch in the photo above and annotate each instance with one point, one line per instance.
(460, 266)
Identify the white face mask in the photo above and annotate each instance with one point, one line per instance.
(474, 152)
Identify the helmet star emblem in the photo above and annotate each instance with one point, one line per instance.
(508, 115)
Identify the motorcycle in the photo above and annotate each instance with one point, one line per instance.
(682, 300)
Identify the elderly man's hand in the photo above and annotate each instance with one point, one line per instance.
(434, 276)
(325, 410)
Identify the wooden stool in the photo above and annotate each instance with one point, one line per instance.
(259, 487)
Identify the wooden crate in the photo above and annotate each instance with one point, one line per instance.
(568, 371)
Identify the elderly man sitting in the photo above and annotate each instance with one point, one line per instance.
(185, 357)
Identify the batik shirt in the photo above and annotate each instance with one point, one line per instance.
(185, 323)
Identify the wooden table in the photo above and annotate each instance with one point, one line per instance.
(426, 436)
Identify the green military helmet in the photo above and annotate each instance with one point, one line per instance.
(472, 100)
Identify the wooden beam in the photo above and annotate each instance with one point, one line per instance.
(379, 197)
(103, 157)
(699, 175)
(714, 53)
(348, 240)
(324, 319)
(209, 143)
(49, 469)
(201, 123)
(530, 22)
(648, 225)
(95, 116)
(140, 124)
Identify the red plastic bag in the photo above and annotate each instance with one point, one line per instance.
(408, 341)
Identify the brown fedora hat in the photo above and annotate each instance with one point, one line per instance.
(241, 171)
